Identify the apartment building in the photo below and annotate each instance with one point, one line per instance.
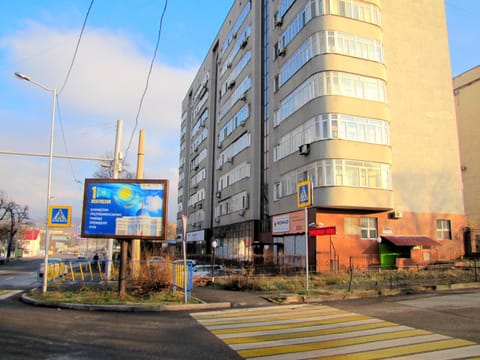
(466, 89)
(354, 97)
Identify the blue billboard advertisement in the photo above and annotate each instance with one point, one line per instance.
(125, 209)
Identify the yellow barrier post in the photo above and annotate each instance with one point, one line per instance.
(90, 270)
(99, 270)
(81, 271)
(72, 272)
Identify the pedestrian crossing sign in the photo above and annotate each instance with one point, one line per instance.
(59, 216)
(304, 194)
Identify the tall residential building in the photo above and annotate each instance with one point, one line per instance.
(466, 88)
(354, 97)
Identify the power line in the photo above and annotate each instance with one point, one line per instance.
(65, 142)
(77, 46)
(148, 78)
(65, 83)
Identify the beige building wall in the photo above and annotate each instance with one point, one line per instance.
(467, 89)
(425, 152)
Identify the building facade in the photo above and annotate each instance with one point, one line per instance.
(354, 97)
(466, 89)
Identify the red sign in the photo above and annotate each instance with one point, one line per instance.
(322, 230)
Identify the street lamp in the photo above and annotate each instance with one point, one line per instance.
(49, 183)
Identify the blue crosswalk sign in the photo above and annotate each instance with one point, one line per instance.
(304, 194)
(59, 216)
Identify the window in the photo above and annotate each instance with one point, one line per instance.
(336, 172)
(237, 120)
(238, 23)
(355, 9)
(368, 228)
(331, 42)
(330, 83)
(444, 230)
(333, 126)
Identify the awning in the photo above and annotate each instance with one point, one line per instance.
(411, 240)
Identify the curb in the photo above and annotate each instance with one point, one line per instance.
(289, 299)
(128, 308)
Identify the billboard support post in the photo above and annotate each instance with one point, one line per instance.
(122, 278)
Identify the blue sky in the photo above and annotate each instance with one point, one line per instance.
(38, 38)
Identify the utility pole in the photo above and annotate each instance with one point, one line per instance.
(136, 242)
(117, 164)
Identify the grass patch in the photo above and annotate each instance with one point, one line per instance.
(100, 296)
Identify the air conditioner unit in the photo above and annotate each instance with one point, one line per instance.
(199, 205)
(218, 194)
(241, 212)
(231, 84)
(196, 167)
(195, 186)
(229, 65)
(304, 149)
(230, 160)
(244, 97)
(243, 43)
(219, 145)
(397, 214)
(280, 50)
(243, 123)
(278, 21)
(217, 219)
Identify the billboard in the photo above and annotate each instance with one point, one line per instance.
(125, 208)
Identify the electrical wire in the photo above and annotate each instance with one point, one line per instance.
(76, 47)
(75, 179)
(148, 79)
(63, 87)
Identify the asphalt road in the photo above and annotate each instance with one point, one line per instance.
(453, 313)
(19, 274)
(29, 332)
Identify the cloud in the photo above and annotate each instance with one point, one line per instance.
(106, 84)
(154, 203)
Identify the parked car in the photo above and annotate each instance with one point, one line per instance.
(2, 259)
(157, 262)
(206, 270)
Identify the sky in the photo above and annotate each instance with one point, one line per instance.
(106, 83)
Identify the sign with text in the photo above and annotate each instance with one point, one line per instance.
(125, 209)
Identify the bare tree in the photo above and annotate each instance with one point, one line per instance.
(12, 216)
(105, 170)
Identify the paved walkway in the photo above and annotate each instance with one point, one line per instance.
(235, 298)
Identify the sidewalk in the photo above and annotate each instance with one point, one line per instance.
(235, 298)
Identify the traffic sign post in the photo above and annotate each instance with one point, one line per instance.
(59, 216)
(304, 200)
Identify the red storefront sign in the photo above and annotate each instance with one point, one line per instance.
(322, 230)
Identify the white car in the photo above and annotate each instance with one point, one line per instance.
(206, 270)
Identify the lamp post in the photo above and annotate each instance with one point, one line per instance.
(49, 181)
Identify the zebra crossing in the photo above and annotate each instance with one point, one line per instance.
(323, 332)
